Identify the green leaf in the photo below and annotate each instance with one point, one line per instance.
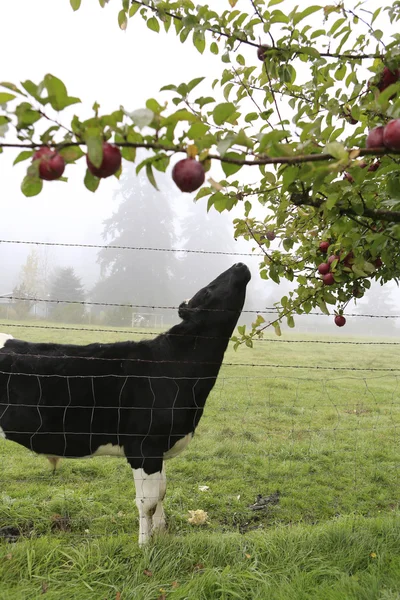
(12, 87)
(226, 143)
(133, 9)
(57, 91)
(141, 117)
(393, 186)
(214, 48)
(122, 20)
(322, 306)
(204, 100)
(75, 4)
(290, 321)
(150, 176)
(299, 16)
(277, 328)
(153, 24)
(274, 2)
(222, 112)
(128, 153)
(91, 182)
(94, 142)
(243, 140)
(169, 87)
(230, 168)
(33, 90)
(197, 130)
(199, 41)
(71, 153)
(336, 150)
(192, 84)
(6, 97)
(340, 72)
(24, 155)
(26, 115)
(31, 186)
(251, 117)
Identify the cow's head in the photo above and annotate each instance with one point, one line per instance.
(220, 302)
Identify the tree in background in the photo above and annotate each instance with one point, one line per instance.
(143, 218)
(66, 285)
(33, 282)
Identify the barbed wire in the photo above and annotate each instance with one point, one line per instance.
(268, 310)
(206, 337)
(63, 357)
(140, 248)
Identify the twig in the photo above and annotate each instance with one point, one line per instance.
(378, 214)
(289, 160)
(250, 43)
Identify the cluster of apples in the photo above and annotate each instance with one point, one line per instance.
(327, 268)
(385, 135)
(188, 174)
(52, 164)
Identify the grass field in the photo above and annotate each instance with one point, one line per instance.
(328, 439)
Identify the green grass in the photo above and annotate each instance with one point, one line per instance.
(328, 440)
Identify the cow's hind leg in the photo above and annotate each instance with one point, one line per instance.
(148, 488)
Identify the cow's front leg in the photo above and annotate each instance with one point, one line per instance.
(159, 515)
(148, 487)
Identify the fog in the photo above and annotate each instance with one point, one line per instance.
(100, 63)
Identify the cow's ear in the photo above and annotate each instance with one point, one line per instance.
(184, 311)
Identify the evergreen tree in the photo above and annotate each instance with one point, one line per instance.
(67, 285)
(143, 219)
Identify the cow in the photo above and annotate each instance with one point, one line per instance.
(139, 400)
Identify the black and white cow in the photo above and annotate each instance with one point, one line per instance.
(141, 400)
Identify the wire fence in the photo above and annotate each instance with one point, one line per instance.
(271, 448)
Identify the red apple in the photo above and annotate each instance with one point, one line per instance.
(262, 51)
(51, 165)
(332, 258)
(340, 320)
(387, 78)
(270, 235)
(323, 268)
(188, 174)
(328, 279)
(348, 259)
(375, 137)
(375, 166)
(110, 164)
(349, 177)
(391, 135)
(378, 262)
(323, 246)
(42, 152)
(358, 292)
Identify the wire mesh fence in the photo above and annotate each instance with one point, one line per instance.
(298, 429)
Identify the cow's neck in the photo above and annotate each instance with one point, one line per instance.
(197, 344)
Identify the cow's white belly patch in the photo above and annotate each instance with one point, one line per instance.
(105, 450)
(178, 447)
(109, 450)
